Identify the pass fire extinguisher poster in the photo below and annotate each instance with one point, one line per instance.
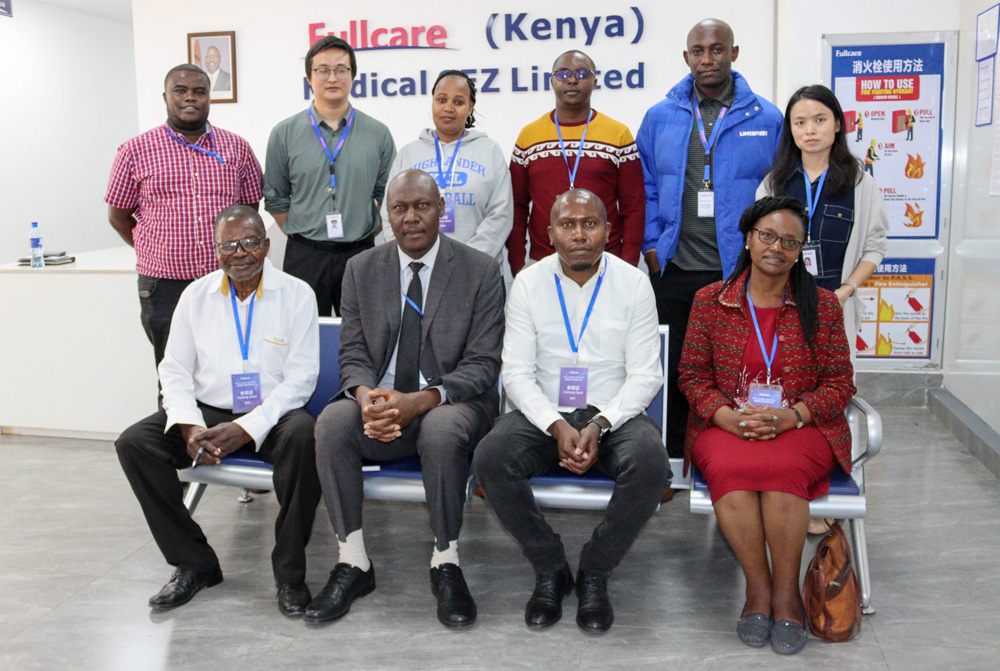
(897, 319)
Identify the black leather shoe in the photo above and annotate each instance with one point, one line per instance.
(456, 608)
(545, 605)
(346, 584)
(183, 586)
(293, 599)
(593, 612)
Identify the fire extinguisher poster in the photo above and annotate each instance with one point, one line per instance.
(897, 317)
(892, 97)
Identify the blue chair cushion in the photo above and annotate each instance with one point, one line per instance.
(246, 456)
(840, 483)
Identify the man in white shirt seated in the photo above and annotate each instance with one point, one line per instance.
(240, 363)
(581, 361)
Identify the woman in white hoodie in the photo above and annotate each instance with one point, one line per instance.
(469, 167)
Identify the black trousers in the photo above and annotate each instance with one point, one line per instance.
(151, 458)
(675, 291)
(443, 437)
(321, 265)
(516, 451)
(157, 300)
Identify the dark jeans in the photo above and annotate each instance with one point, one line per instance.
(516, 451)
(151, 458)
(157, 300)
(321, 265)
(675, 291)
(443, 437)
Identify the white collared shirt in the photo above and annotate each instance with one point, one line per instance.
(203, 350)
(620, 348)
(405, 277)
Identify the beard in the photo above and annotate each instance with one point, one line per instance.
(582, 266)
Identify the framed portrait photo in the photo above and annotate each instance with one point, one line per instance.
(215, 53)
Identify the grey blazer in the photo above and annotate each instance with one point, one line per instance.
(462, 326)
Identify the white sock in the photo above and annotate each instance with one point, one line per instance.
(447, 556)
(352, 551)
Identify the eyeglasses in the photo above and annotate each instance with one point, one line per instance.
(581, 74)
(248, 245)
(324, 73)
(768, 238)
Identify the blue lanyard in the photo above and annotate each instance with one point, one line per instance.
(326, 149)
(244, 344)
(189, 145)
(579, 151)
(575, 344)
(812, 203)
(408, 299)
(451, 166)
(768, 360)
(707, 142)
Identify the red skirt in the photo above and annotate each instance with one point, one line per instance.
(797, 462)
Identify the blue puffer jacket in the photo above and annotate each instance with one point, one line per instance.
(742, 156)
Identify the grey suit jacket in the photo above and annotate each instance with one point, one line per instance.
(462, 326)
(223, 82)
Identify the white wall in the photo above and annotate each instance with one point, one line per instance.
(972, 318)
(69, 101)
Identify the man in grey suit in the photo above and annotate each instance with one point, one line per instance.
(417, 377)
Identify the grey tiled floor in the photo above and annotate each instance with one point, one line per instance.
(77, 565)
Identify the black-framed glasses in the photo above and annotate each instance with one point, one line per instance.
(339, 73)
(248, 245)
(580, 74)
(767, 238)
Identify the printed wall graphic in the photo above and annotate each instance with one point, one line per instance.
(5, 8)
(891, 95)
(897, 318)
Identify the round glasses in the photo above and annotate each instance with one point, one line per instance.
(247, 244)
(768, 238)
(581, 74)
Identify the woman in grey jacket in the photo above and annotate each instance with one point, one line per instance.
(848, 220)
(469, 167)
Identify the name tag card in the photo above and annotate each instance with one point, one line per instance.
(447, 221)
(706, 203)
(573, 387)
(812, 257)
(765, 395)
(334, 226)
(246, 392)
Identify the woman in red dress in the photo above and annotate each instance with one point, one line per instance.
(766, 368)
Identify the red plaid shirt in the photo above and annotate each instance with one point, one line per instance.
(177, 192)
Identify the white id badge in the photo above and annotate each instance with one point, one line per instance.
(573, 387)
(246, 392)
(334, 226)
(812, 258)
(706, 203)
(765, 395)
(447, 222)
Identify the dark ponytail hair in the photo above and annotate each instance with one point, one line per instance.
(471, 120)
(845, 168)
(804, 290)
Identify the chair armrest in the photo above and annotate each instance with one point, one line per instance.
(859, 406)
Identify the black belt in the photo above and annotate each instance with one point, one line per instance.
(363, 243)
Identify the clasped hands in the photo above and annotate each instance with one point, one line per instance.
(216, 443)
(386, 412)
(577, 449)
(755, 422)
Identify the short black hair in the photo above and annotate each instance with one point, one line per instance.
(578, 193)
(184, 66)
(240, 212)
(325, 44)
(471, 120)
(593, 66)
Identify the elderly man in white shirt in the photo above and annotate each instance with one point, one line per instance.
(581, 361)
(240, 364)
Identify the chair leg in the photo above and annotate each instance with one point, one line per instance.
(193, 496)
(860, 543)
(245, 496)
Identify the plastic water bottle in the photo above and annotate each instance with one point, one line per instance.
(37, 255)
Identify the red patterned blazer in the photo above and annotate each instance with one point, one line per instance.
(712, 358)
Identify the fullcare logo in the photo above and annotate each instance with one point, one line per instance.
(365, 36)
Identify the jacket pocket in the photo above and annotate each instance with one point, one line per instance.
(837, 224)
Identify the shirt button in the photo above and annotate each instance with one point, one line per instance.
(756, 109)
(781, 338)
(195, 174)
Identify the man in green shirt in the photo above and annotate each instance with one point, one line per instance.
(325, 175)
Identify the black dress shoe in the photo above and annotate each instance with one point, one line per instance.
(346, 584)
(545, 605)
(593, 612)
(456, 608)
(293, 599)
(183, 586)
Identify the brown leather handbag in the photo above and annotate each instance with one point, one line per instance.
(831, 595)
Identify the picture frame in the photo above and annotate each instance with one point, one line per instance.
(215, 53)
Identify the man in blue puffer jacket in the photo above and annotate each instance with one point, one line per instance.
(705, 148)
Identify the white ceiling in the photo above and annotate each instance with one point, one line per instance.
(117, 10)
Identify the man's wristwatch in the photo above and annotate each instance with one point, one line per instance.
(603, 424)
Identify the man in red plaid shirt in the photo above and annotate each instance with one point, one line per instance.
(166, 188)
